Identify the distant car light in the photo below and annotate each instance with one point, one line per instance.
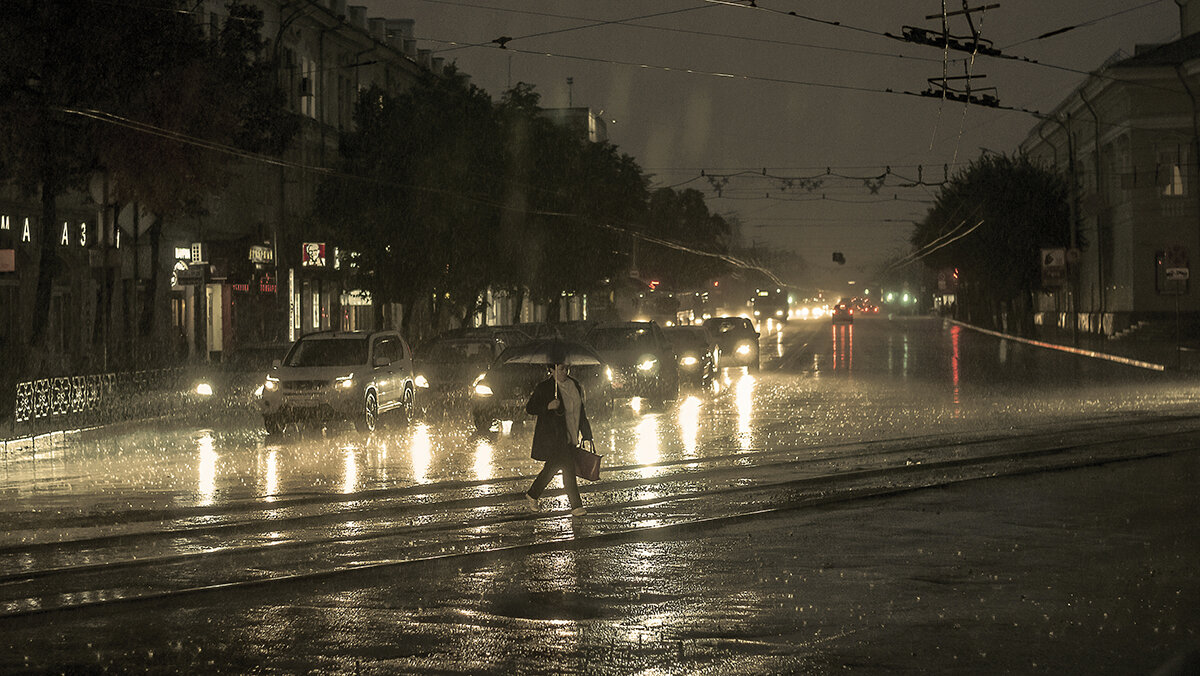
(271, 384)
(647, 364)
(743, 349)
(204, 390)
(483, 390)
(689, 361)
(608, 373)
(345, 382)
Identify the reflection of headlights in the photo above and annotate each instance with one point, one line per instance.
(779, 313)
(258, 392)
(648, 364)
(688, 361)
(421, 381)
(272, 384)
(608, 373)
(204, 390)
(743, 349)
(345, 382)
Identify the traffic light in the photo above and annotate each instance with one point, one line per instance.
(839, 258)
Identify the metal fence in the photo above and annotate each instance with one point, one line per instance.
(75, 401)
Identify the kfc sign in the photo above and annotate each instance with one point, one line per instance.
(313, 255)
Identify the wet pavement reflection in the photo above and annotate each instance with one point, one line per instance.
(207, 498)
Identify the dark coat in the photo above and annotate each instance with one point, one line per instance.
(550, 432)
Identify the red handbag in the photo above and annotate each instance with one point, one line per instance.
(587, 462)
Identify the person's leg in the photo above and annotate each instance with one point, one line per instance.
(569, 483)
(543, 478)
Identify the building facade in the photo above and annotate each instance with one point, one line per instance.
(1127, 141)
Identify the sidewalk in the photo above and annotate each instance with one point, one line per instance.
(1155, 348)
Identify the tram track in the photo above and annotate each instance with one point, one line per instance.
(688, 494)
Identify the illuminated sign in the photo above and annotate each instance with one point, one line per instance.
(313, 255)
(260, 253)
(183, 253)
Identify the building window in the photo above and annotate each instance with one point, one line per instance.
(1172, 172)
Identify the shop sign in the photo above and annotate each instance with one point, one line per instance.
(261, 254)
(266, 283)
(313, 255)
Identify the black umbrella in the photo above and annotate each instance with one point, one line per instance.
(553, 351)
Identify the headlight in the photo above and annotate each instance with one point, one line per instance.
(688, 361)
(204, 390)
(743, 349)
(479, 388)
(648, 364)
(421, 381)
(608, 373)
(345, 382)
(271, 384)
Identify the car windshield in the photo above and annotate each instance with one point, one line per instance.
(689, 338)
(328, 352)
(620, 338)
(725, 325)
(457, 352)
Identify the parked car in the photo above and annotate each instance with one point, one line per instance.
(737, 340)
(641, 358)
(696, 352)
(233, 384)
(502, 392)
(447, 366)
(341, 375)
(842, 312)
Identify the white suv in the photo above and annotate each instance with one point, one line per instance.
(340, 375)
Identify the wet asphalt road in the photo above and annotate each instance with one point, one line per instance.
(713, 544)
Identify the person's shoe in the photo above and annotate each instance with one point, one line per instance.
(531, 502)
(579, 511)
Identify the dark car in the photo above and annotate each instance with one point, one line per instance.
(842, 312)
(234, 383)
(737, 340)
(502, 392)
(447, 366)
(641, 358)
(509, 335)
(696, 353)
(340, 375)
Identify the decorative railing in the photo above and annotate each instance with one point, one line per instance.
(45, 403)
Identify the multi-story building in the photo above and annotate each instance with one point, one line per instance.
(1127, 140)
(249, 268)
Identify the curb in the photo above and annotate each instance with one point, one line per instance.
(1064, 348)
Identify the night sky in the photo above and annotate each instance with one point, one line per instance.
(736, 92)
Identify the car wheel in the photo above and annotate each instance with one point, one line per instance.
(272, 424)
(408, 405)
(483, 422)
(368, 419)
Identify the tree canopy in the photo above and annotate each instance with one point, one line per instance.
(990, 222)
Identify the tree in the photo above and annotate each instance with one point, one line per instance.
(418, 197)
(683, 217)
(990, 222)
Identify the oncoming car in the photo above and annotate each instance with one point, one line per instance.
(641, 358)
(696, 352)
(503, 390)
(340, 375)
(737, 339)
